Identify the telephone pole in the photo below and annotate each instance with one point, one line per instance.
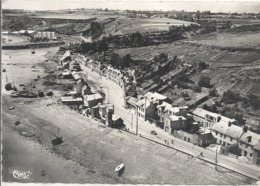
(136, 122)
(216, 158)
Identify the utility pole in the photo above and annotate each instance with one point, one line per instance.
(136, 122)
(132, 121)
(216, 158)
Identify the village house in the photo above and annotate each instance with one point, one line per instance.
(145, 109)
(78, 86)
(76, 76)
(98, 68)
(67, 75)
(227, 135)
(131, 102)
(74, 65)
(172, 123)
(105, 112)
(208, 119)
(92, 100)
(81, 59)
(113, 75)
(66, 58)
(70, 100)
(85, 90)
(200, 139)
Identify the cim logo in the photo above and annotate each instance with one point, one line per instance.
(21, 174)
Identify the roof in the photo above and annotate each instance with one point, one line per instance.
(207, 137)
(173, 109)
(132, 101)
(140, 102)
(93, 97)
(236, 132)
(159, 96)
(66, 73)
(70, 99)
(202, 113)
(66, 54)
(76, 76)
(164, 104)
(176, 118)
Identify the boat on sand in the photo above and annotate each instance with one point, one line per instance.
(119, 167)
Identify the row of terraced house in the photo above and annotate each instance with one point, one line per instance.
(199, 127)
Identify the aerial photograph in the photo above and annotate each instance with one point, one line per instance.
(130, 92)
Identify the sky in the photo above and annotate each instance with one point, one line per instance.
(246, 6)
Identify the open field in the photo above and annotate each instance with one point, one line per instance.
(125, 25)
(243, 40)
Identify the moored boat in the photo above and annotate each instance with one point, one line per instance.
(119, 167)
(8, 86)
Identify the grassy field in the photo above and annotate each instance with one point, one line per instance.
(244, 40)
(125, 25)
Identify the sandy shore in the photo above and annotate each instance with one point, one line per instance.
(90, 151)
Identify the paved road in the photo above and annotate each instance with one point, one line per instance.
(115, 95)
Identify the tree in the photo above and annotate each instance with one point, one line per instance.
(205, 82)
(202, 65)
(230, 97)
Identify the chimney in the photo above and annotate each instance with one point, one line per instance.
(245, 129)
(219, 118)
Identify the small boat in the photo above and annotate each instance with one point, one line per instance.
(33, 52)
(15, 94)
(4, 70)
(119, 167)
(8, 86)
(29, 95)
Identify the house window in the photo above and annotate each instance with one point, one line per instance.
(220, 135)
(220, 141)
(216, 133)
(245, 153)
(188, 139)
(251, 154)
(246, 146)
(231, 138)
(184, 138)
(224, 136)
(224, 143)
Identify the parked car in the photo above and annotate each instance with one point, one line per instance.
(153, 132)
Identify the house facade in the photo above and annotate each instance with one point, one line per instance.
(92, 100)
(172, 123)
(227, 134)
(208, 119)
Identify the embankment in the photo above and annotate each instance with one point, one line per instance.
(32, 45)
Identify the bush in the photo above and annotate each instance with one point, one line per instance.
(230, 97)
(202, 65)
(205, 82)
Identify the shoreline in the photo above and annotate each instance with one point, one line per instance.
(98, 150)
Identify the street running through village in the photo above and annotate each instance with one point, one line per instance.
(115, 95)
